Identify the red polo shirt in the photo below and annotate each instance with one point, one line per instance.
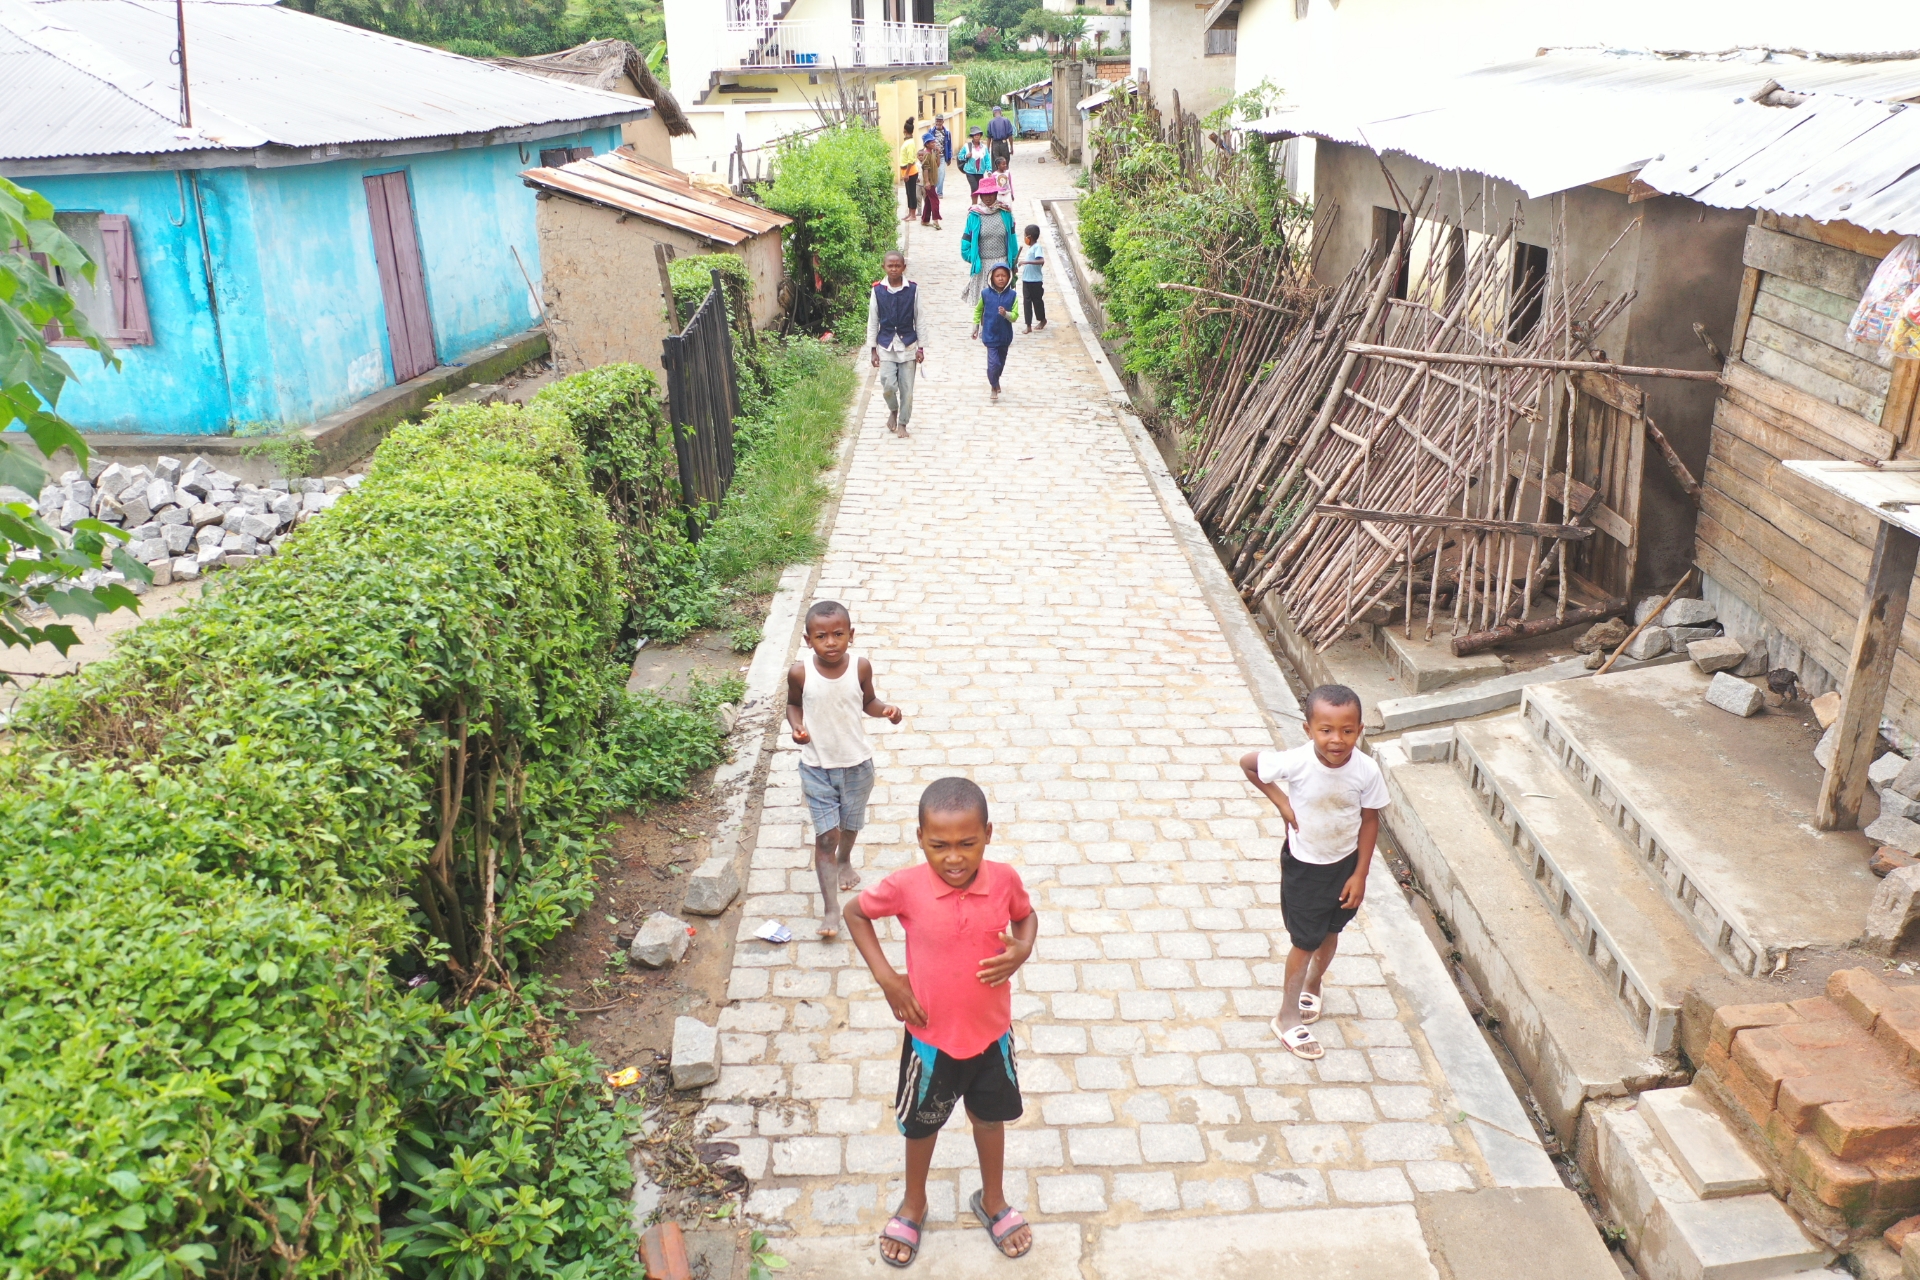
(949, 932)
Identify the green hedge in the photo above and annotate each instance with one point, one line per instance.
(259, 1020)
(837, 186)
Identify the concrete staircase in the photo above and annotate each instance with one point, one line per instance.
(1594, 855)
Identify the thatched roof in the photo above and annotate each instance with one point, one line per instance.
(598, 64)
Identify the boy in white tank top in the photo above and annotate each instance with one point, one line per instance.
(828, 693)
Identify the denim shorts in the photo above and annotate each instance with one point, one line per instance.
(837, 798)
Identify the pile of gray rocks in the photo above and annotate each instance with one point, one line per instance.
(188, 518)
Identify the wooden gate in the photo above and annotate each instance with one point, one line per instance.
(1609, 453)
(403, 284)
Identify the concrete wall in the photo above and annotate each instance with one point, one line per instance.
(602, 282)
(298, 325)
(1169, 49)
(1683, 260)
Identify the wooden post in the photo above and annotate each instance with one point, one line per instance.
(1875, 638)
(662, 255)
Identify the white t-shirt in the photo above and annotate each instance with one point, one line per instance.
(1327, 802)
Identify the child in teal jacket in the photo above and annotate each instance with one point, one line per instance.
(993, 318)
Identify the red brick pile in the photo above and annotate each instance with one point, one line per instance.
(1829, 1089)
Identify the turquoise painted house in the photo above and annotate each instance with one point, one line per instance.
(322, 213)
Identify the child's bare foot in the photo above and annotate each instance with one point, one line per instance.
(849, 878)
(830, 924)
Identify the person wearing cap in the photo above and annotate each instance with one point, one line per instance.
(975, 159)
(988, 241)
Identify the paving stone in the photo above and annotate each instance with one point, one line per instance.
(817, 1156)
(1343, 1066)
(1032, 1149)
(1228, 1194)
(1290, 1188)
(1103, 1146)
(1077, 1109)
(1152, 1192)
(823, 1080)
(1720, 653)
(1052, 1039)
(660, 941)
(712, 886)
(1650, 643)
(1072, 1193)
(1438, 1175)
(1268, 1106)
(1227, 1069)
(1100, 1073)
(1151, 1070)
(1316, 1143)
(1171, 1144)
(1370, 1186)
(1403, 1101)
(1341, 1104)
(1384, 1143)
(843, 1205)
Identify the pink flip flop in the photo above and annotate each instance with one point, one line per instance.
(901, 1231)
(1000, 1225)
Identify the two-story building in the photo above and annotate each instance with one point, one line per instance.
(749, 72)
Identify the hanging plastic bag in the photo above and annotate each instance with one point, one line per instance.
(1889, 290)
(1904, 340)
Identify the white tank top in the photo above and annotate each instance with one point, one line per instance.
(832, 710)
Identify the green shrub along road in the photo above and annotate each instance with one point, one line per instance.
(274, 873)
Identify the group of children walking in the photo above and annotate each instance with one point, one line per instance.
(970, 925)
(996, 258)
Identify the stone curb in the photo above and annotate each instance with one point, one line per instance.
(1493, 1111)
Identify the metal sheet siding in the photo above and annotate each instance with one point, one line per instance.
(261, 75)
(623, 181)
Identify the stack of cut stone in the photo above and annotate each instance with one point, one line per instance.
(186, 519)
(1897, 829)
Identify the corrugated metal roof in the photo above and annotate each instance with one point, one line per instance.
(1832, 158)
(622, 180)
(1567, 118)
(261, 76)
(599, 64)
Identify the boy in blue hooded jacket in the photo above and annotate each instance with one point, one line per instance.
(993, 316)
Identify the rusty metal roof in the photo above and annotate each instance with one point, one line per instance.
(599, 64)
(1830, 158)
(621, 180)
(1568, 117)
(101, 83)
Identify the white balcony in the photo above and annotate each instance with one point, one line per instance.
(823, 44)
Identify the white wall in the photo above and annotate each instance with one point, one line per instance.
(1386, 38)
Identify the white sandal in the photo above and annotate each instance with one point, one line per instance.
(1299, 1042)
(1309, 1007)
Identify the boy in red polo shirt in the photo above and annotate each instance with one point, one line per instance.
(969, 926)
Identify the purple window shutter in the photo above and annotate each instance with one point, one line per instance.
(131, 325)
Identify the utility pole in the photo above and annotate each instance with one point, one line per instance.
(180, 56)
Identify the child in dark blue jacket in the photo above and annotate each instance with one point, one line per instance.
(993, 316)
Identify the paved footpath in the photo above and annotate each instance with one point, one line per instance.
(1026, 599)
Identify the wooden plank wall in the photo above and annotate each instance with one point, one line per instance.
(1799, 389)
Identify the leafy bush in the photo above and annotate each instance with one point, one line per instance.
(693, 279)
(376, 748)
(616, 413)
(654, 742)
(988, 79)
(837, 185)
(499, 28)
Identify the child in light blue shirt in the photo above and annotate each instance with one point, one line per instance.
(1033, 278)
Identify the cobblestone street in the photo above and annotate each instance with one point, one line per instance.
(1025, 597)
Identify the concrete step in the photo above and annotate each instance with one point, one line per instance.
(1555, 1013)
(1709, 1156)
(1720, 809)
(1421, 665)
(1673, 1234)
(1589, 878)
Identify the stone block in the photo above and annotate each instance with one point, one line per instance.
(1907, 781)
(174, 515)
(1602, 637)
(1826, 709)
(1823, 749)
(1898, 832)
(1730, 693)
(158, 494)
(1896, 903)
(177, 537)
(661, 941)
(1867, 1125)
(1887, 860)
(166, 468)
(1756, 663)
(1424, 746)
(185, 568)
(240, 544)
(162, 572)
(695, 1055)
(148, 550)
(1708, 1154)
(1678, 638)
(204, 513)
(1717, 654)
(1650, 643)
(1886, 768)
(1688, 613)
(1893, 804)
(713, 885)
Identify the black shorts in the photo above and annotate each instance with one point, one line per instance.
(931, 1081)
(1310, 898)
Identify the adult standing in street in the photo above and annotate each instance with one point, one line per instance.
(931, 171)
(893, 333)
(943, 136)
(988, 240)
(975, 160)
(909, 164)
(1000, 135)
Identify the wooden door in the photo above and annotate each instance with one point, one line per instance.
(403, 284)
(1609, 453)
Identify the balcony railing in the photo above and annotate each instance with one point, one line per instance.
(822, 44)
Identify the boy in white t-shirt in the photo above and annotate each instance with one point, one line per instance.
(1331, 804)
